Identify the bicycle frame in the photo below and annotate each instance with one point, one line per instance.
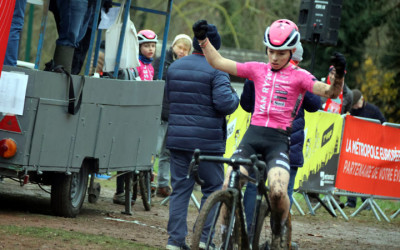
(234, 188)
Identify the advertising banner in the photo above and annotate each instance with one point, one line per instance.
(237, 124)
(370, 158)
(6, 13)
(322, 134)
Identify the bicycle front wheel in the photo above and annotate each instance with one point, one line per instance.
(262, 233)
(212, 226)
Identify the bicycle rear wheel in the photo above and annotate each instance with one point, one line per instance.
(214, 235)
(145, 189)
(262, 232)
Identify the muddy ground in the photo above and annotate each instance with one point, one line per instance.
(30, 206)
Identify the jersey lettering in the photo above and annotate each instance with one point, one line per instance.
(276, 92)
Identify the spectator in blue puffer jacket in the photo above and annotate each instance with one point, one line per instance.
(199, 99)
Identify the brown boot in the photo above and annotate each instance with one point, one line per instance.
(163, 191)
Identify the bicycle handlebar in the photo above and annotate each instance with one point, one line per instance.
(258, 165)
(194, 168)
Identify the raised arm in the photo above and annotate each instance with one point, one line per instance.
(333, 90)
(213, 57)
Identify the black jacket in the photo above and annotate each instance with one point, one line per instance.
(369, 111)
(169, 58)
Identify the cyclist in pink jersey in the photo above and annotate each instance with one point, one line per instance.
(278, 85)
(147, 48)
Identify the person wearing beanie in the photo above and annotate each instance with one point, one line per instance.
(180, 47)
(361, 108)
(213, 37)
(199, 97)
(298, 54)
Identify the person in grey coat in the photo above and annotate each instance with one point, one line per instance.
(199, 97)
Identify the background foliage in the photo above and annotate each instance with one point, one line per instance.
(368, 37)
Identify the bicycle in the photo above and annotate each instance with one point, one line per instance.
(137, 181)
(142, 180)
(227, 229)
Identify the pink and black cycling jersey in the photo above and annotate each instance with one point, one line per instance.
(146, 71)
(276, 92)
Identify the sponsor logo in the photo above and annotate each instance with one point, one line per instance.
(280, 97)
(282, 81)
(230, 128)
(278, 103)
(327, 135)
(281, 92)
(326, 179)
(277, 109)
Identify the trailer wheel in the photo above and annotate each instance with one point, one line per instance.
(68, 193)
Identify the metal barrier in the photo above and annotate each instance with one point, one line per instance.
(330, 204)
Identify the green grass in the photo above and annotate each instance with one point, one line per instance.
(73, 239)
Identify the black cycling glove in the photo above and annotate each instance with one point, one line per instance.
(200, 29)
(339, 62)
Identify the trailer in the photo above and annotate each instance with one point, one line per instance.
(114, 129)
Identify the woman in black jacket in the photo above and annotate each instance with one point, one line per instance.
(181, 47)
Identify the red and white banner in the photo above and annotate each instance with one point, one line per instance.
(6, 14)
(369, 159)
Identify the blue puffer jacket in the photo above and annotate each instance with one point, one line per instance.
(311, 103)
(199, 98)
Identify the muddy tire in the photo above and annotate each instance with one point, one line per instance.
(68, 193)
(145, 189)
(262, 235)
(212, 211)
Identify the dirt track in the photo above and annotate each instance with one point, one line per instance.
(30, 206)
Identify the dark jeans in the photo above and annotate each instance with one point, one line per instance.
(352, 201)
(17, 24)
(182, 188)
(72, 18)
(120, 183)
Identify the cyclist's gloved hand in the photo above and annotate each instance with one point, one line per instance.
(200, 29)
(339, 62)
(107, 5)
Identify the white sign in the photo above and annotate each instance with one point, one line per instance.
(108, 19)
(12, 92)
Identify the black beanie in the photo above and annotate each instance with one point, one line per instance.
(213, 36)
(356, 95)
